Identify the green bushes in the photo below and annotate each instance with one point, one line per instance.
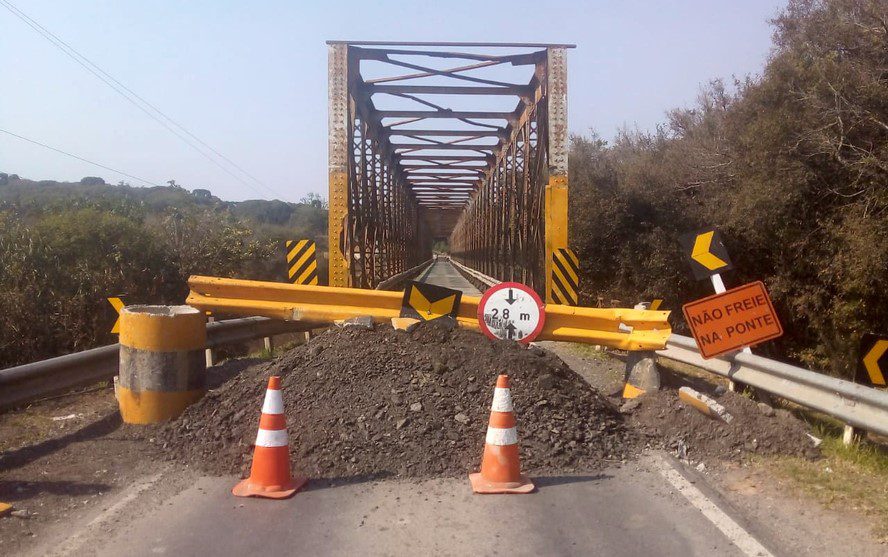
(66, 247)
(792, 167)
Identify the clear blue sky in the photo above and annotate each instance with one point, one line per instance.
(250, 78)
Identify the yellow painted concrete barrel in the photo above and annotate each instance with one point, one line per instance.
(162, 363)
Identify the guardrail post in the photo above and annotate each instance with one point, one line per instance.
(269, 344)
(209, 353)
(848, 435)
(642, 374)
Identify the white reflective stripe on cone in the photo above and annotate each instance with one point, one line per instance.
(274, 402)
(271, 438)
(502, 400)
(501, 436)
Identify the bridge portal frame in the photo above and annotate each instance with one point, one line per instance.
(513, 192)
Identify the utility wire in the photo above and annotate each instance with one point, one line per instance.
(23, 138)
(132, 97)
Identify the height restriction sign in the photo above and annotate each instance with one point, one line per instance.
(511, 311)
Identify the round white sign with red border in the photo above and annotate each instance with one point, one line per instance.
(511, 311)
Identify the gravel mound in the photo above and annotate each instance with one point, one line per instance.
(669, 423)
(374, 403)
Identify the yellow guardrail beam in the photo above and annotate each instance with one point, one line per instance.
(627, 329)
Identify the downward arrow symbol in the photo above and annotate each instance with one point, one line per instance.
(511, 299)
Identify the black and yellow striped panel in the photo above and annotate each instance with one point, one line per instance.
(565, 277)
(302, 262)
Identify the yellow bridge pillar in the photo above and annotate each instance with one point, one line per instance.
(338, 152)
(556, 188)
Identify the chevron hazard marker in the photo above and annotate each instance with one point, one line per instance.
(706, 253)
(302, 264)
(565, 277)
(117, 303)
(874, 360)
(429, 301)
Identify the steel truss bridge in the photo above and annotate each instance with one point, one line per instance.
(465, 142)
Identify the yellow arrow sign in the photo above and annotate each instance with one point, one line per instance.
(703, 256)
(118, 305)
(430, 310)
(871, 362)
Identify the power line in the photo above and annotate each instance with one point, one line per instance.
(122, 173)
(131, 96)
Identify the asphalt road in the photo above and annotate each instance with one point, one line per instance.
(632, 510)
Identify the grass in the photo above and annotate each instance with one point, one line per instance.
(853, 477)
(589, 351)
(265, 354)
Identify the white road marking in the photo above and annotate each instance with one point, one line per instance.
(72, 544)
(727, 525)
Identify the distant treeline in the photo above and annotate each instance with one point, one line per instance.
(791, 166)
(65, 247)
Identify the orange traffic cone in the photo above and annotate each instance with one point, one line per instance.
(500, 467)
(270, 474)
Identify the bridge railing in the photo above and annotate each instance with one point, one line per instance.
(28, 382)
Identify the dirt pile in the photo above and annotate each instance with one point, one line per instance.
(364, 403)
(669, 423)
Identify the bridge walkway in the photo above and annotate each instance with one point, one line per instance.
(443, 273)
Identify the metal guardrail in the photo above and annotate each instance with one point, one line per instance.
(28, 382)
(857, 405)
(472, 274)
(392, 283)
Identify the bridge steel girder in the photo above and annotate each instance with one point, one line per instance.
(374, 227)
(382, 189)
(518, 217)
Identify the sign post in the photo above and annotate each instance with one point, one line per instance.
(708, 256)
(511, 311)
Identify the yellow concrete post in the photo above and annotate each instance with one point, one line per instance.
(162, 366)
(556, 224)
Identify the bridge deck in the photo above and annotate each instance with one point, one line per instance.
(443, 273)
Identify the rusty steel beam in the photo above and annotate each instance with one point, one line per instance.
(511, 191)
(521, 90)
(479, 114)
(447, 133)
(449, 44)
(432, 157)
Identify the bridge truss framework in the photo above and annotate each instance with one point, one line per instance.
(407, 146)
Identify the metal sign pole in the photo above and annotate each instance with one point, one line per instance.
(719, 286)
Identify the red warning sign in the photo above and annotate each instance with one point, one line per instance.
(742, 316)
